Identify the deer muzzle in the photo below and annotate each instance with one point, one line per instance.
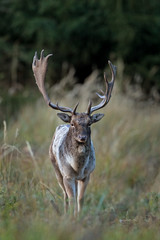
(82, 138)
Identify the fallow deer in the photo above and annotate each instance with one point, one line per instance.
(71, 151)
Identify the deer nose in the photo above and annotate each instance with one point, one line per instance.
(83, 138)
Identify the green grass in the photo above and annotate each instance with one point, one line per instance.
(123, 197)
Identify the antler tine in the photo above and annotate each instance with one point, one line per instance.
(57, 107)
(89, 107)
(75, 108)
(39, 67)
(109, 86)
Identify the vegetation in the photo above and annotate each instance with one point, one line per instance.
(122, 199)
(82, 34)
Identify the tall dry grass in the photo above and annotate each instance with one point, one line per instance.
(122, 198)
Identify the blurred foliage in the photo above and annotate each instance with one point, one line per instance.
(84, 34)
(122, 200)
(11, 103)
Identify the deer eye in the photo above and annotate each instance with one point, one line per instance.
(72, 124)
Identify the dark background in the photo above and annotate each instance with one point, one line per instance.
(83, 34)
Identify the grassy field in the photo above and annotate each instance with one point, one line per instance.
(123, 197)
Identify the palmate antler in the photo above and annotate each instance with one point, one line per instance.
(107, 95)
(39, 67)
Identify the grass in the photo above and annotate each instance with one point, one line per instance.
(123, 197)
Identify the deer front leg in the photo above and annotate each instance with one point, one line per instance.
(81, 190)
(59, 178)
(70, 187)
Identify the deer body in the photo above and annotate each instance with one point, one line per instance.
(71, 151)
(72, 154)
(75, 160)
(73, 164)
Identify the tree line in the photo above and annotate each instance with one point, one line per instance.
(83, 34)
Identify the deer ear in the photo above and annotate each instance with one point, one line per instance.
(64, 117)
(96, 117)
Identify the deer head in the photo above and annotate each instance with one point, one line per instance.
(80, 122)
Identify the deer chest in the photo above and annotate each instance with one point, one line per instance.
(77, 162)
